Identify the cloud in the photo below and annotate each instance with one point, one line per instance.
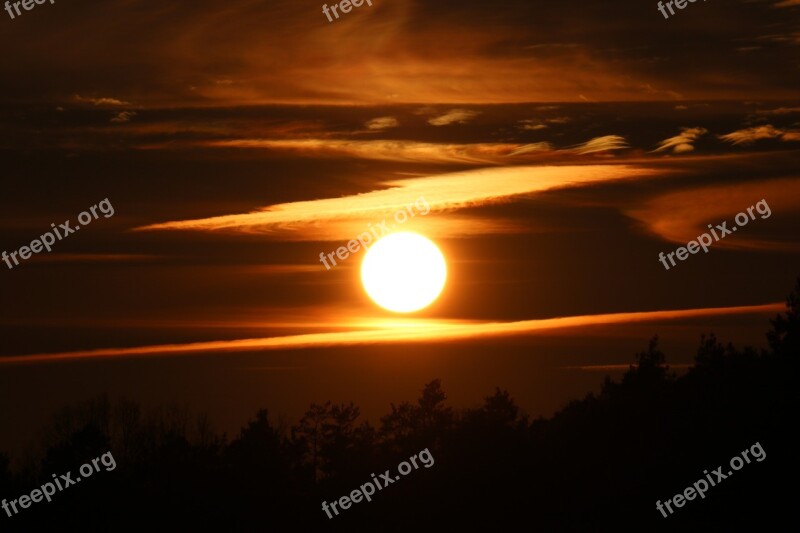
(443, 192)
(757, 133)
(123, 116)
(536, 124)
(533, 147)
(532, 125)
(601, 144)
(242, 52)
(780, 110)
(682, 142)
(386, 150)
(398, 331)
(100, 101)
(382, 123)
(789, 37)
(679, 217)
(456, 116)
(413, 151)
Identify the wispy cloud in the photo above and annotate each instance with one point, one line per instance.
(123, 116)
(757, 133)
(408, 151)
(682, 142)
(382, 123)
(606, 143)
(540, 124)
(532, 125)
(415, 331)
(100, 101)
(532, 148)
(456, 116)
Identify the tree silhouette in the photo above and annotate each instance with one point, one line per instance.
(651, 366)
(784, 338)
(410, 426)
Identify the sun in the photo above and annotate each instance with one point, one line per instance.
(403, 272)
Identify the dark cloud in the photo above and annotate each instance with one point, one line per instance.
(249, 52)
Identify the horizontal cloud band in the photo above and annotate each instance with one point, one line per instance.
(418, 331)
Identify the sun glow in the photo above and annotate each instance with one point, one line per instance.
(404, 272)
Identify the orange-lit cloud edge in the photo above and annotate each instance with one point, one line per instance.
(681, 216)
(443, 192)
(397, 331)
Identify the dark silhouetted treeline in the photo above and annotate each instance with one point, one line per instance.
(599, 464)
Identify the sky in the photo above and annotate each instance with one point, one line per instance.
(551, 150)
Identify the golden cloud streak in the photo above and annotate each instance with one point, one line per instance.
(441, 192)
(413, 331)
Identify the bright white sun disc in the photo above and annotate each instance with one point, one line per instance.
(403, 272)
